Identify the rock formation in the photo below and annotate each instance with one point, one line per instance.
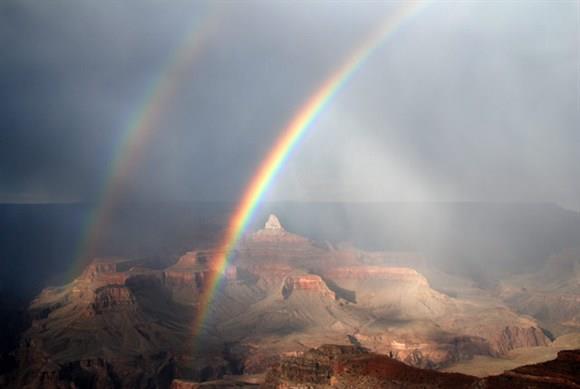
(350, 367)
(126, 323)
(273, 224)
(273, 232)
(308, 283)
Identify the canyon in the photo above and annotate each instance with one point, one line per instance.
(130, 323)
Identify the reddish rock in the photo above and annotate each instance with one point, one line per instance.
(402, 274)
(513, 337)
(308, 283)
(352, 367)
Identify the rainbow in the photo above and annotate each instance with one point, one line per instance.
(139, 129)
(283, 147)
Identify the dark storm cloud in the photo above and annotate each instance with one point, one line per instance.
(69, 73)
(463, 102)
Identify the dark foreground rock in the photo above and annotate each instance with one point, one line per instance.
(355, 367)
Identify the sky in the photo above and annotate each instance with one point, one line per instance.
(466, 101)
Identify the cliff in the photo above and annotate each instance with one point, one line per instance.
(348, 366)
(306, 283)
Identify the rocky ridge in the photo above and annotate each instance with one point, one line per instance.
(122, 323)
(349, 367)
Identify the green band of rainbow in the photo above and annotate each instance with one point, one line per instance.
(283, 147)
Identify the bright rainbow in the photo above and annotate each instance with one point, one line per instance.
(283, 147)
(139, 129)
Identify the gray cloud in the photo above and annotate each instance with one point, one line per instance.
(467, 101)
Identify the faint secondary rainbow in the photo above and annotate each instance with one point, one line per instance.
(283, 147)
(137, 132)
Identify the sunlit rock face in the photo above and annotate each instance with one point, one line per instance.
(273, 232)
(395, 274)
(308, 283)
(273, 224)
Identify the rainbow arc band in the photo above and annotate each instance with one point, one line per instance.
(139, 129)
(288, 140)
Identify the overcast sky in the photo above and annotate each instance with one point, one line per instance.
(468, 100)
